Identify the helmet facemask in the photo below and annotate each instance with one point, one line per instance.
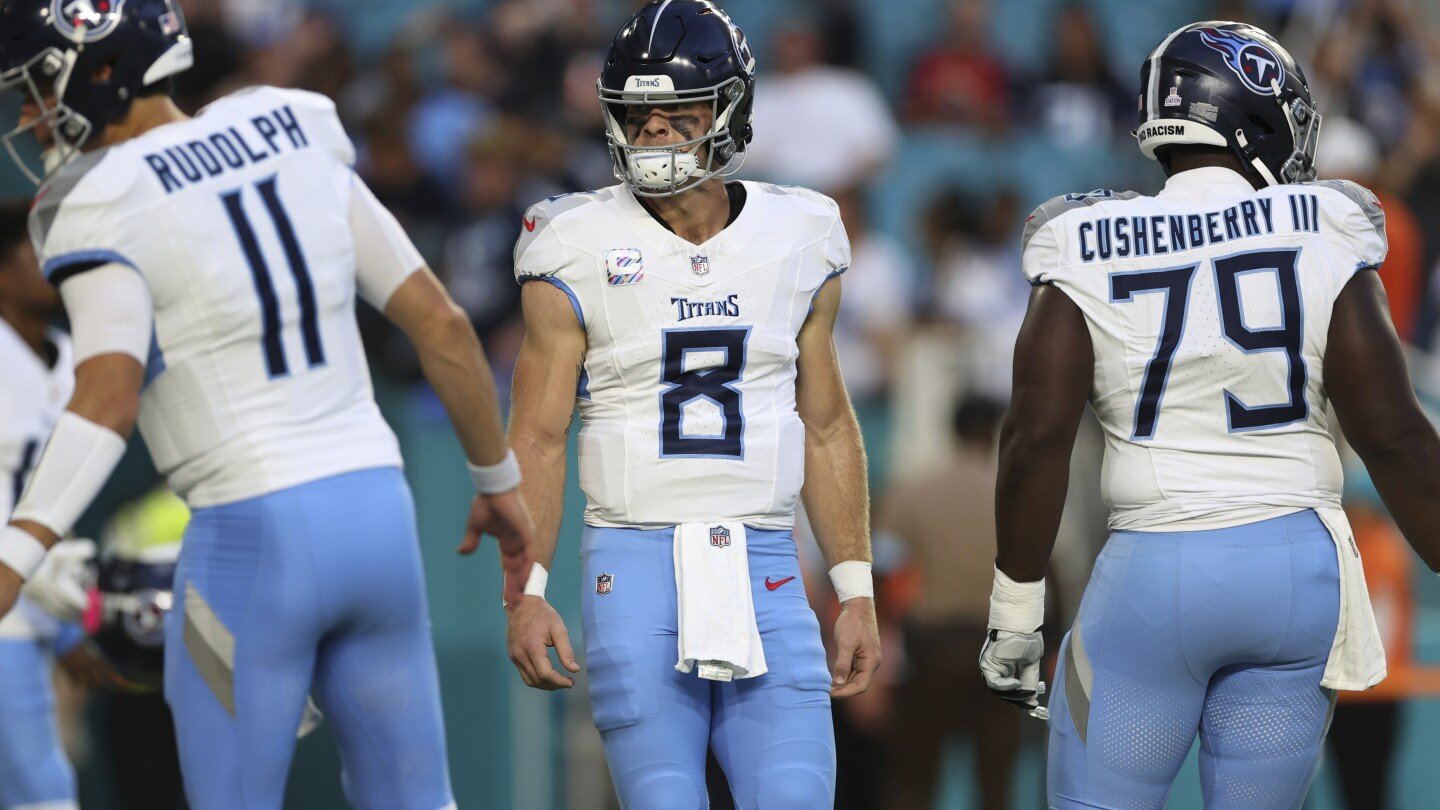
(664, 171)
(69, 130)
(1304, 121)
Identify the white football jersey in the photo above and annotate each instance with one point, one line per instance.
(687, 395)
(238, 220)
(31, 398)
(1209, 309)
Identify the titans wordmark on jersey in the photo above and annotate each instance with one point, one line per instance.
(238, 220)
(687, 395)
(1209, 309)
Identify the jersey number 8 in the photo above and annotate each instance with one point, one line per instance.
(715, 382)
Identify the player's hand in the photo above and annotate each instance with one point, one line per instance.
(534, 627)
(507, 519)
(857, 648)
(10, 585)
(60, 585)
(1010, 663)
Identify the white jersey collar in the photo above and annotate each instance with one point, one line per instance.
(727, 241)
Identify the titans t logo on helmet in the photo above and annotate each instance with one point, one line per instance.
(1255, 64)
(91, 20)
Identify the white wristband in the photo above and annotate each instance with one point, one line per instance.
(75, 465)
(21, 552)
(539, 578)
(496, 478)
(852, 580)
(1016, 607)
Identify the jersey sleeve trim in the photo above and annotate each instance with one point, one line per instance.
(562, 287)
(1056, 207)
(832, 274)
(68, 265)
(1363, 198)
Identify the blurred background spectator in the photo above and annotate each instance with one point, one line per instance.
(936, 125)
(944, 520)
(821, 126)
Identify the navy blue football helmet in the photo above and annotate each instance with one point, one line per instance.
(1229, 85)
(135, 596)
(54, 51)
(678, 52)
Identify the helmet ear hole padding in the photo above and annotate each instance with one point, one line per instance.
(1261, 124)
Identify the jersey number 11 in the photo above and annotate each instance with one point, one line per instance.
(275, 361)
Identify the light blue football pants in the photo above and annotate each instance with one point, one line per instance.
(317, 587)
(1223, 633)
(772, 734)
(34, 771)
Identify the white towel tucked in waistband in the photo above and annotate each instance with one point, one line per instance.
(1357, 658)
(717, 611)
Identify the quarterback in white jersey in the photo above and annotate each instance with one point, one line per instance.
(691, 319)
(210, 267)
(1211, 327)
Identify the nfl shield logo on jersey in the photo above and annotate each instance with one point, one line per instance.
(719, 536)
(604, 584)
(700, 265)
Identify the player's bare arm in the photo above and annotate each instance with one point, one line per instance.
(107, 393)
(454, 363)
(543, 402)
(1053, 368)
(1054, 363)
(836, 497)
(1366, 375)
(98, 419)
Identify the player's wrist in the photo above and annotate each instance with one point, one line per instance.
(1016, 607)
(853, 579)
(21, 552)
(496, 479)
(539, 578)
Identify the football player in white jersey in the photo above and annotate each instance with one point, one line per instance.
(691, 318)
(210, 266)
(1210, 327)
(36, 370)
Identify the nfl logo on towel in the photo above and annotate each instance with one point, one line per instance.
(604, 584)
(623, 267)
(719, 536)
(700, 265)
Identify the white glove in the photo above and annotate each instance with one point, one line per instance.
(59, 586)
(1010, 663)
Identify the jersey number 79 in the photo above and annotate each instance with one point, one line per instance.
(1288, 337)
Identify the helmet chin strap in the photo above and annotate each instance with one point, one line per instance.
(1256, 163)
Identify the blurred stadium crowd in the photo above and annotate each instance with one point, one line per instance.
(937, 124)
